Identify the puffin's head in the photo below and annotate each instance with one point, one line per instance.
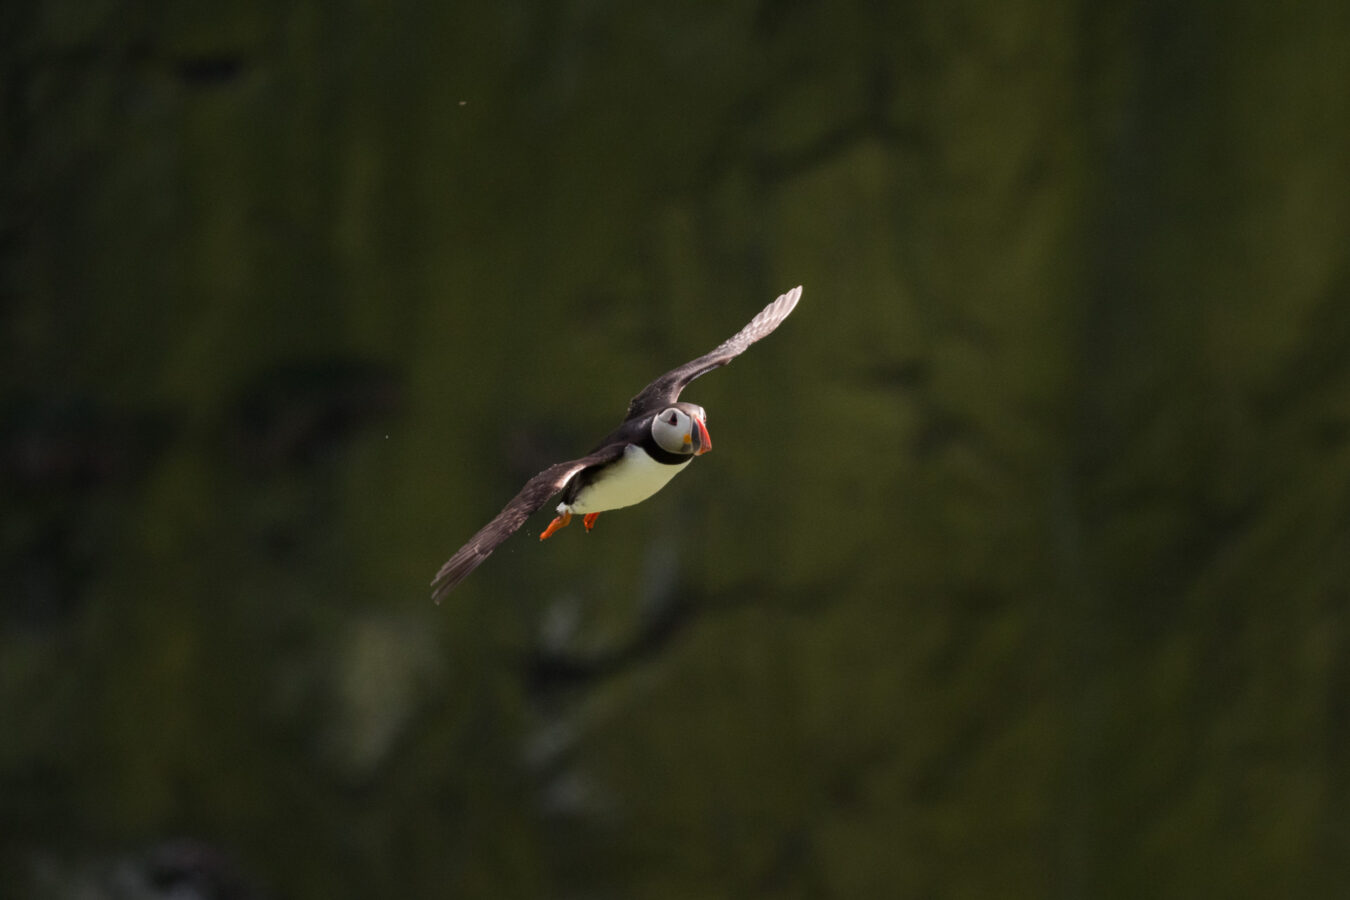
(682, 428)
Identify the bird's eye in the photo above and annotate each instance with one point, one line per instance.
(673, 418)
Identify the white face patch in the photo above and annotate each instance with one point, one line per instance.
(670, 427)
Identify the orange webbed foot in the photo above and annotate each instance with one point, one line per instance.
(589, 520)
(560, 522)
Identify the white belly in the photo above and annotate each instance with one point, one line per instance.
(634, 478)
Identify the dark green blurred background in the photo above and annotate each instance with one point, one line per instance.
(1021, 564)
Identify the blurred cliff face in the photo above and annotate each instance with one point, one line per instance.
(1024, 546)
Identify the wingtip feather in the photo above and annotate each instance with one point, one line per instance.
(788, 299)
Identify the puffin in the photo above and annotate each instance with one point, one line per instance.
(658, 437)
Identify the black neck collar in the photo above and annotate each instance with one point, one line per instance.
(661, 454)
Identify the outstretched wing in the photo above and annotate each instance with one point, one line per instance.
(666, 389)
(534, 495)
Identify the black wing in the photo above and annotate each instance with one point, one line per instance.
(534, 495)
(666, 389)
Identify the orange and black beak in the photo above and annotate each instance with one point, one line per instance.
(704, 439)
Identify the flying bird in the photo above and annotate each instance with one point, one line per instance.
(658, 437)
